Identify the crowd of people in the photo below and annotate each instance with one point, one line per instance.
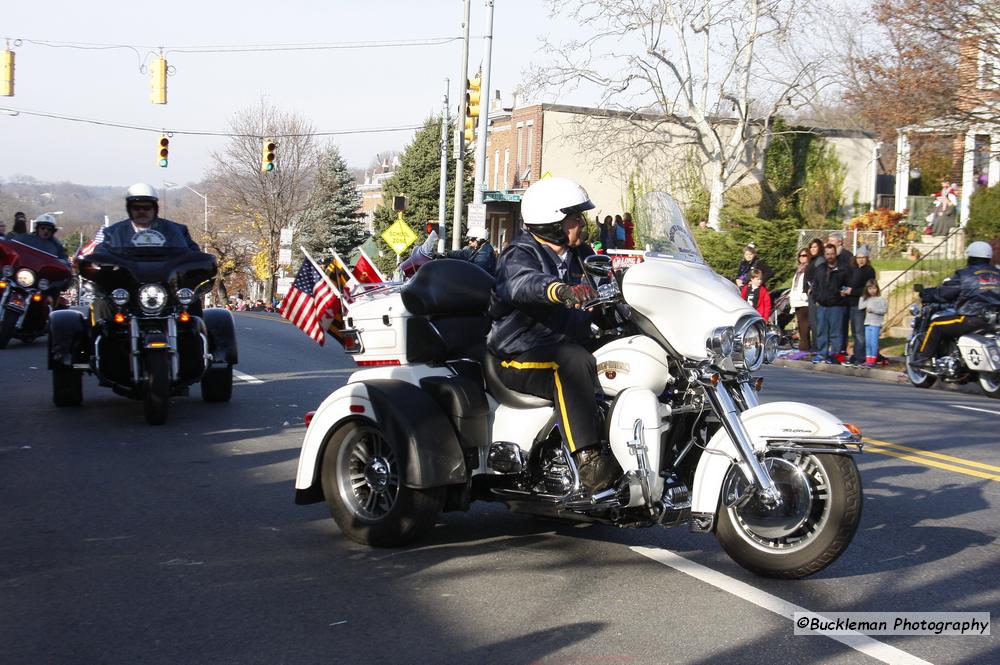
(835, 299)
(616, 232)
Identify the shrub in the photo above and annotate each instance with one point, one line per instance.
(775, 240)
(889, 222)
(984, 214)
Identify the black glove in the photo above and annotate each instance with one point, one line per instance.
(575, 295)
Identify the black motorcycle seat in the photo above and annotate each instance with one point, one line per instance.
(503, 394)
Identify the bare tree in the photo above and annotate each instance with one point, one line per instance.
(255, 204)
(708, 73)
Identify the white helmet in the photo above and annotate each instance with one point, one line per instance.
(979, 250)
(552, 199)
(45, 219)
(141, 192)
(477, 232)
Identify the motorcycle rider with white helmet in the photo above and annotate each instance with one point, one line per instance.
(539, 324)
(43, 237)
(142, 206)
(973, 289)
(479, 250)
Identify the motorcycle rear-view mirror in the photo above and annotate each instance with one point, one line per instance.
(598, 265)
(917, 288)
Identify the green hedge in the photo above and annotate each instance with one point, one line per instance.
(775, 239)
(984, 214)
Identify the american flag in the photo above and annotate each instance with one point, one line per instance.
(309, 303)
(92, 245)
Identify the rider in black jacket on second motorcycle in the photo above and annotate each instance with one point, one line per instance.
(973, 289)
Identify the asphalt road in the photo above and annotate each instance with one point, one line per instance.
(125, 543)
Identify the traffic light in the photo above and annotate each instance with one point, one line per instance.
(267, 153)
(164, 154)
(6, 73)
(158, 81)
(472, 97)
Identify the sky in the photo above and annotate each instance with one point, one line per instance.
(335, 90)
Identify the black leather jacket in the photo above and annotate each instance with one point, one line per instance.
(974, 289)
(523, 307)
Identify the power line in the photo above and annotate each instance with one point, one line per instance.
(201, 132)
(241, 48)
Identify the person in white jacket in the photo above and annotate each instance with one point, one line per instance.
(798, 300)
(875, 307)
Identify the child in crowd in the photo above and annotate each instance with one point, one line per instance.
(757, 294)
(875, 307)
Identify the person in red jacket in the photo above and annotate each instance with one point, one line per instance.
(757, 294)
(629, 231)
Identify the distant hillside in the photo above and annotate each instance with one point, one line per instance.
(83, 207)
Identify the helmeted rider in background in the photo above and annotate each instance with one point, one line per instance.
(44, 238)
(478, 251)
(143, 208)
(973, 290)
(539, 324)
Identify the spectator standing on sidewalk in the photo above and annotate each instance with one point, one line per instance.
(798, 300)
(607, 234)
(831, 305)
(875, 308)
(757, 295)
(862, 274)
(815, 248)
(629, 230)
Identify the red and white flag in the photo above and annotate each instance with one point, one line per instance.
(309, 302)
(92, 245)
(366, 271)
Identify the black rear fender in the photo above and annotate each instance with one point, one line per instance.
(68, 338)
(221, 336)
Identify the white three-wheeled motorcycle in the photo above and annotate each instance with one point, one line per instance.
(425, 425)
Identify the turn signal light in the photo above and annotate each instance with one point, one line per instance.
(3, 285)
(119, 318)
(184, 317)
(853, 429)
(357, 408)
(37, 297)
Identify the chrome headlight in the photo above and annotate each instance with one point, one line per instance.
(185, 296)
(43, 284)
(152, 298)
(771, 348)
(914, 309)
(721, 341)
(119, 296)
(750, 337)
(25, 277)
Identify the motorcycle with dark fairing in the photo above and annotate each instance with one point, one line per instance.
(427, 425)
(147, 337)
(30, 282)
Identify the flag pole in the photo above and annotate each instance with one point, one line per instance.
(322, 273)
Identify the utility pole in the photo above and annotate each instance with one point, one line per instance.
(456, 226)
(479, 183)
(443, 188)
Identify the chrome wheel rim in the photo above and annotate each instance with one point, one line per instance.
(912, 373)
(367, 474)
(803, 514)
(990, 382)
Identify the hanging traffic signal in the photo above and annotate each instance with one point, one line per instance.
(164, 154)
(6, 73)
(267, 154)
(472, 97)
(158, 81)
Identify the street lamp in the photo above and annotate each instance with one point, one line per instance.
(203, 197)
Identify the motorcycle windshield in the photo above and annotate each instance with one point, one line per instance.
(19, 255)
(661, 230)
(126, 267)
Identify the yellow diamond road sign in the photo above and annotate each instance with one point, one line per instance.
(399, 236)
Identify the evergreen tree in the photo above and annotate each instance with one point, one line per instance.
(418, 177)
(330, 218)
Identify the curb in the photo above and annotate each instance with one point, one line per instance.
(887, 375)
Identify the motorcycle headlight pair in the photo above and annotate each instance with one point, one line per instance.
(152, 298)
(25, 278)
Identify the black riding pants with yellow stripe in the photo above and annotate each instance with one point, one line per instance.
(567, 375)
(947, 327)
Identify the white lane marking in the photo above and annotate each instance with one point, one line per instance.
(973, 408)
(863, 643)
(245, 377)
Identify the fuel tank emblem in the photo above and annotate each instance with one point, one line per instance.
(610, 368)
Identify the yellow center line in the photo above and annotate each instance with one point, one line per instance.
(257, 315)
(928, 453)
(873, 446)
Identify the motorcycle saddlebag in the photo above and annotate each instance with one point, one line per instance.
(980, 352)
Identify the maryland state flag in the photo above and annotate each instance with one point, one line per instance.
(345, 283)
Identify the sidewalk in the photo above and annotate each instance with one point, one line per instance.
(892, 373)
